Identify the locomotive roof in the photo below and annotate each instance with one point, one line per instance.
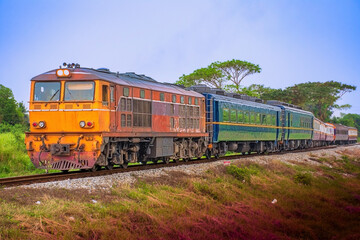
(126, 79)
(244, 102)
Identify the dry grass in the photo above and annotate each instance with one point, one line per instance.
(216, 205)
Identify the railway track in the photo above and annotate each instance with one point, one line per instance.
(30, 179)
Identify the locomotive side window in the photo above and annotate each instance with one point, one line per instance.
(79, 91)
(123, 104)
(123, 120)
(162, 97)
(190, 100)
(105, 95)
(128, 120)
(174, 98)
(112, 97)
(142, 93)
(126, 92)
(128, 105)
(47, 91)
(196, 101)
(182, 99)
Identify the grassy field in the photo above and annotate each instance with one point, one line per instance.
(14, 160)
(229, 202)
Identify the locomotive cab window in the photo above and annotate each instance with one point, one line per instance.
(79, 91)
(112, 95)
(105, 95)
(47, 91)
(126, 92)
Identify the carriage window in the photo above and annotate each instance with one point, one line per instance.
(263, 119)
(240, 116)
(162, 97)
(225, 114)
(80, 91)
(246, 117)
(47, 91)
(112, 96)
(142, 93)
(126, 91)
(233, 115)
(252, 117)
(182, 100)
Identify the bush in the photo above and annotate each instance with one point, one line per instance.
(242, 174)
(303, 178)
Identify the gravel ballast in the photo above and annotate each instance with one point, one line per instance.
(106, 182)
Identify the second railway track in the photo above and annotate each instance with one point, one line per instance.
(39, 178)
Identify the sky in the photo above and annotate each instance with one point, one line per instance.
(293, 41)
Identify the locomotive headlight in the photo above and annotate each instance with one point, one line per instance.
(63, 72)
(60, 73)
(42, 124)
(82, 124)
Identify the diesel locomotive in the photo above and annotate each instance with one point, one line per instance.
(84, 118)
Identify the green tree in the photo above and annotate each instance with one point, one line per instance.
(208, 75)
(235, 71)
(217, 74)
(10, 112)
(319, 98)
(350, 119)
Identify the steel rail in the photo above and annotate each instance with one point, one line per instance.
(39, 178)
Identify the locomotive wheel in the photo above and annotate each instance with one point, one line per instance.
(208, 154)
(124, 165)
(166, 160)
(176, 160)
(64, 171)
(186, 159)
(144, 162)
(216, 155)
(95, 168)
(109, 166)
(155, 161)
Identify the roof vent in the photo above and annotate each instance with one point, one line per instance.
(200, 88)
(103, 70)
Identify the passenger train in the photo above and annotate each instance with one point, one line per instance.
(84, 118)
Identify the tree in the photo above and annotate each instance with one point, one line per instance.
(209, 75)
(235, 71)
(217, 74)
(319, 98)
(9, 108)
(350, 119)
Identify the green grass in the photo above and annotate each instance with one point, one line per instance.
(312, 202)
(14, 160)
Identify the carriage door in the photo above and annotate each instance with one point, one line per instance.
(112, 108)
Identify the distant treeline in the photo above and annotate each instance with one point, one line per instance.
(13, 114)
(317, 97)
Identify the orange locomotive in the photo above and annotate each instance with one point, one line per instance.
(83, 118)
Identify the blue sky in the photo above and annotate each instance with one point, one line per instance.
(292, 41)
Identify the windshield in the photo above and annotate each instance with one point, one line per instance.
(47, 91)
(79, 91)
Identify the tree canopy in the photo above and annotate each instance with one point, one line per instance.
(11, 112)
(225, 75)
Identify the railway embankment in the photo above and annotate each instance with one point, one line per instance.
(296, 195)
